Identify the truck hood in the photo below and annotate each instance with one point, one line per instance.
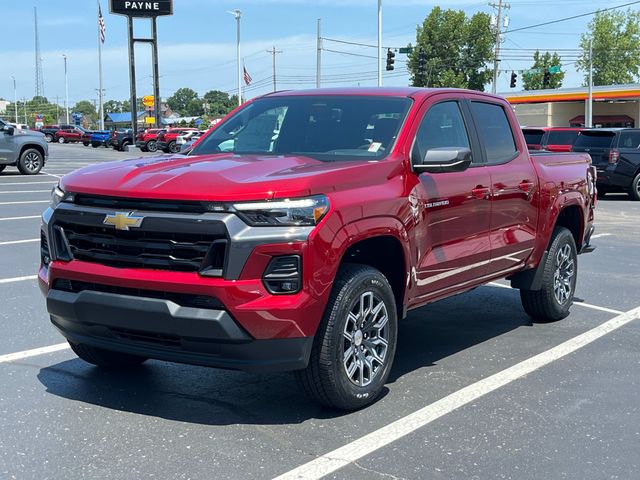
(223, 177)
(29, 133)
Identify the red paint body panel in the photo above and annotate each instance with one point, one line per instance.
(498, 219)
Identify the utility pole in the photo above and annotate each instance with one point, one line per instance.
(319, 55)
(39, 78)
(15, 97)
(66, 87)
(589, 106)
(101, 90)
(57, 110)
(237, 15)
(379, 43)
(496, 52)
(24, 107)
(274, 52)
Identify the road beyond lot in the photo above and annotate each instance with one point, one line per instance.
(478, 391)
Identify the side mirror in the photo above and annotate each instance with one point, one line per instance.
(444, 159)
(8, 129)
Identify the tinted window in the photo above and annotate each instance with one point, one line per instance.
(495, 131)
(562, 137)
(594, 139)
(533, 137)
(442, 126)
(327, 128)
(629, 139)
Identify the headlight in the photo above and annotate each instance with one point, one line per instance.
(58, 195)
(292, 212)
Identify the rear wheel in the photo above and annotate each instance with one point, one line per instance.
(49, 138)
(95, 145)
(634, 191)
(173, 147)
(124, 146)
(86, 144)
(61, 140)
(355, 343)
(553, 301)
(31, 162)
(152, 146)
(105, 358)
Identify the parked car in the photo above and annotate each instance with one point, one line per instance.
(616, 155)
(552, 139)
(49, 131)
(69, 135)
(19, 126)
(146, 140)
(303, 252)
(100, 138)
(120, 139)
(167, 141)
(25, 149)
(186, 140)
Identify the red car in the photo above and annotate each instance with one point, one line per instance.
(69, 135)
(166, 141)
(147, 139)
(300, 231)
(552, 139)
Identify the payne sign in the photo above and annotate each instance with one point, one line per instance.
(141, 8)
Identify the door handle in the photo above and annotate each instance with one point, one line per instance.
(526, 186)
(480, 192)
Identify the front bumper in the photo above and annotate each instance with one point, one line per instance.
(163, 330)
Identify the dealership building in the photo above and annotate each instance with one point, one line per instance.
(613, 106)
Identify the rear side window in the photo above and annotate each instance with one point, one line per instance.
(533, 137)
(495, 131)
(562, 137)
(629, 139)
(595, 139)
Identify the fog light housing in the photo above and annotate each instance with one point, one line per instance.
(283, 275)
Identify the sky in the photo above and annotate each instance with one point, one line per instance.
(197, 43)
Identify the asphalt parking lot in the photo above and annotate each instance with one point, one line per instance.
(478, 391)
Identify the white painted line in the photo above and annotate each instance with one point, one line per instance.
(343, 456)
(599, 235)
(20, 218)
(12, 357)
(25, 202)
(15, 242)
(575, 302)
(47, 182)
(18, 279)
(7, 192)
(50, 174)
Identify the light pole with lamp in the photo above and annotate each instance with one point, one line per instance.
(15, 97)
(237, 14)
(66, 87)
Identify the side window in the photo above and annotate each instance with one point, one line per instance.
(442, 126)
(629, 139)
(495, 131)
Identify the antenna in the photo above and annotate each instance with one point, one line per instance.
(39, 79)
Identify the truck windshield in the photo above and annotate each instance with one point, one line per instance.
(595, 139)
(327, 128)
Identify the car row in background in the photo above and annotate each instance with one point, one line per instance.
(615, 152)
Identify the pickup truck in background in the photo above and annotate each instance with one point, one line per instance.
(300, 232)
(616, 156)
(25, 149)
(100, 138)
(552, 139)
(120, 139)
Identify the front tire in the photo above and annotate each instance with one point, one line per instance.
(355, 343)
(634, 191)
(553, 301)
(48, 138)
(61, 140)
(31, 162)
(105, 358)
(152, 146)
(173, 147)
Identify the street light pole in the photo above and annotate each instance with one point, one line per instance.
(66, 87)
(15, 97)
(237, 14)
(379, 43)
(589, 116)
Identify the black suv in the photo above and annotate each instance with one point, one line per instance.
(616, 155)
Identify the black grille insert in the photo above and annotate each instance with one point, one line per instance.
(141, 204)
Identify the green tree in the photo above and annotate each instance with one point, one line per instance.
(616, 43)
(179, 101)
(195, 108)
(219, 103)
(535, 80)
(456, 50)
(87, 109)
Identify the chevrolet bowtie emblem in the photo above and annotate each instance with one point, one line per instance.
(123, 220)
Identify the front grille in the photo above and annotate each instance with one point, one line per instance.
(177, 251)
(182, 299)
(140, 204)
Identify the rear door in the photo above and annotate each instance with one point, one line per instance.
(629, 158)
(598, 144)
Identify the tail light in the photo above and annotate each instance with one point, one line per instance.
(614, 156)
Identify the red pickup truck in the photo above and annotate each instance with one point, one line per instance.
(167, 140)
(299, 233)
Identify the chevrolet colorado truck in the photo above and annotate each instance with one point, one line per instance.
(25, 149)
(301, 231)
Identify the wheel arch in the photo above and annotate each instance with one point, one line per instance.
(29, 146)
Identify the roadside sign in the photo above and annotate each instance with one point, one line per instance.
(144, 9)
(150, 120)
(405, 50)
(148, 100)
(554, 69)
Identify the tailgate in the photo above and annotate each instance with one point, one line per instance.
(597, 143)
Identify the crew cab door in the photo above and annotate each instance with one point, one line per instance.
(452, 209)
(514, 185)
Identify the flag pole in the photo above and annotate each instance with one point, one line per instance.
(100, 91)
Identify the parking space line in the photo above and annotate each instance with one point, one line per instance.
(25, 202)
(12, 357)
(15, 242)
(599, 235)
(19, 218)
(51, 174)
(18, 279)
(343, 456)
(48, 182)
(575, 302)
(7, 192)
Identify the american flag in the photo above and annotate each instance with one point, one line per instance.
(247, 77)
(101, 25)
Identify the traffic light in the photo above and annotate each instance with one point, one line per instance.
(422, 61)
(514, 76)
(546, 80)
(390, 60)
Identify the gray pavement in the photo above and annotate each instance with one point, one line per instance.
(576, 418)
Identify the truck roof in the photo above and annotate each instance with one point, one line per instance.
(375, 91)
